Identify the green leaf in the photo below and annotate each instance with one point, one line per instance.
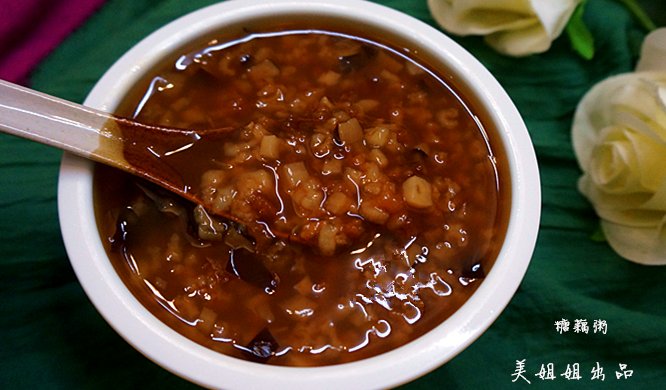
(582, 41)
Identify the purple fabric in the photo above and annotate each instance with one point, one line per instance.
(30, 29)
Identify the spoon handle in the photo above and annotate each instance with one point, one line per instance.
(59, 123)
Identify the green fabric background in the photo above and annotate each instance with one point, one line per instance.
(52, 337)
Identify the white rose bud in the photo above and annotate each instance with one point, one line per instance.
(513, 27)
(619, 137)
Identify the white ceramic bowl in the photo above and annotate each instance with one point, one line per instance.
(211, 369)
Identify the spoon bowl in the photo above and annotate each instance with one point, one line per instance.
(137, 148)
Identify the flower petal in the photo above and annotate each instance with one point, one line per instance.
(650, 157)
(653, 52)
(640, 245)
(478, 17)
(593, 114)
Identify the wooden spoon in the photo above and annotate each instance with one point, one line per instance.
(97, 135)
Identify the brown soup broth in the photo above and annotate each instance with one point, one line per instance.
(398, 197)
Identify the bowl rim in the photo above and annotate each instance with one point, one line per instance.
(205, 367)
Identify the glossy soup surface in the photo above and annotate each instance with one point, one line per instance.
(369, 202)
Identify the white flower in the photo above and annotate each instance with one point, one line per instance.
(619, 137)
(513, 27)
